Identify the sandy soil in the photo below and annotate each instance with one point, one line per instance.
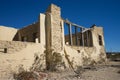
(111, 71)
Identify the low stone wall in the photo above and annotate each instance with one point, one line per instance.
(79, 56)
(13, 46)
(31, 56)
(25, 56)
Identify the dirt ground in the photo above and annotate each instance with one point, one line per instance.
(111, 71)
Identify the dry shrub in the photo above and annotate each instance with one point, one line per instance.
(30, 76)
(26, 76)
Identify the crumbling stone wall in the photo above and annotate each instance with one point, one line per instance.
(31, 57)
(81, 55)
(71, 57)
(100, 49)
(12, 46)
(54, 22)
(54, 36)
(29, 33)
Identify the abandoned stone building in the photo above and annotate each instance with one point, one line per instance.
(47, 41)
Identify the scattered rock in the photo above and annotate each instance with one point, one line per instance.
(118, 72)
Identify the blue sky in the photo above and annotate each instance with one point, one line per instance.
(105, 13)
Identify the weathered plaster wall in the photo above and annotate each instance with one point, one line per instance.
(12, 46)
(79, 56)
(100, 49)
(98, 31)
(7, 33)
(28, 32)
(74, 57)
(24, 59)
(88, 55)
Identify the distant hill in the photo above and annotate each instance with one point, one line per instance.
(113, 52)
(114, 56)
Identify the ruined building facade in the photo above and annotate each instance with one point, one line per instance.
(48, 38)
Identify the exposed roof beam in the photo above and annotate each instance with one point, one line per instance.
(67, 21)
(86, 29)
(73, 24)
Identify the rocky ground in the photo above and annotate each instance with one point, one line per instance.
(100, 72)
(111, 71)
(103, 72)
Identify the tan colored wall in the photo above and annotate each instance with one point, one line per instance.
(28, 33)
(79, 56)
(100, 49)
(21, 59)
(98, 31)
(12, 46)
(7, 33)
